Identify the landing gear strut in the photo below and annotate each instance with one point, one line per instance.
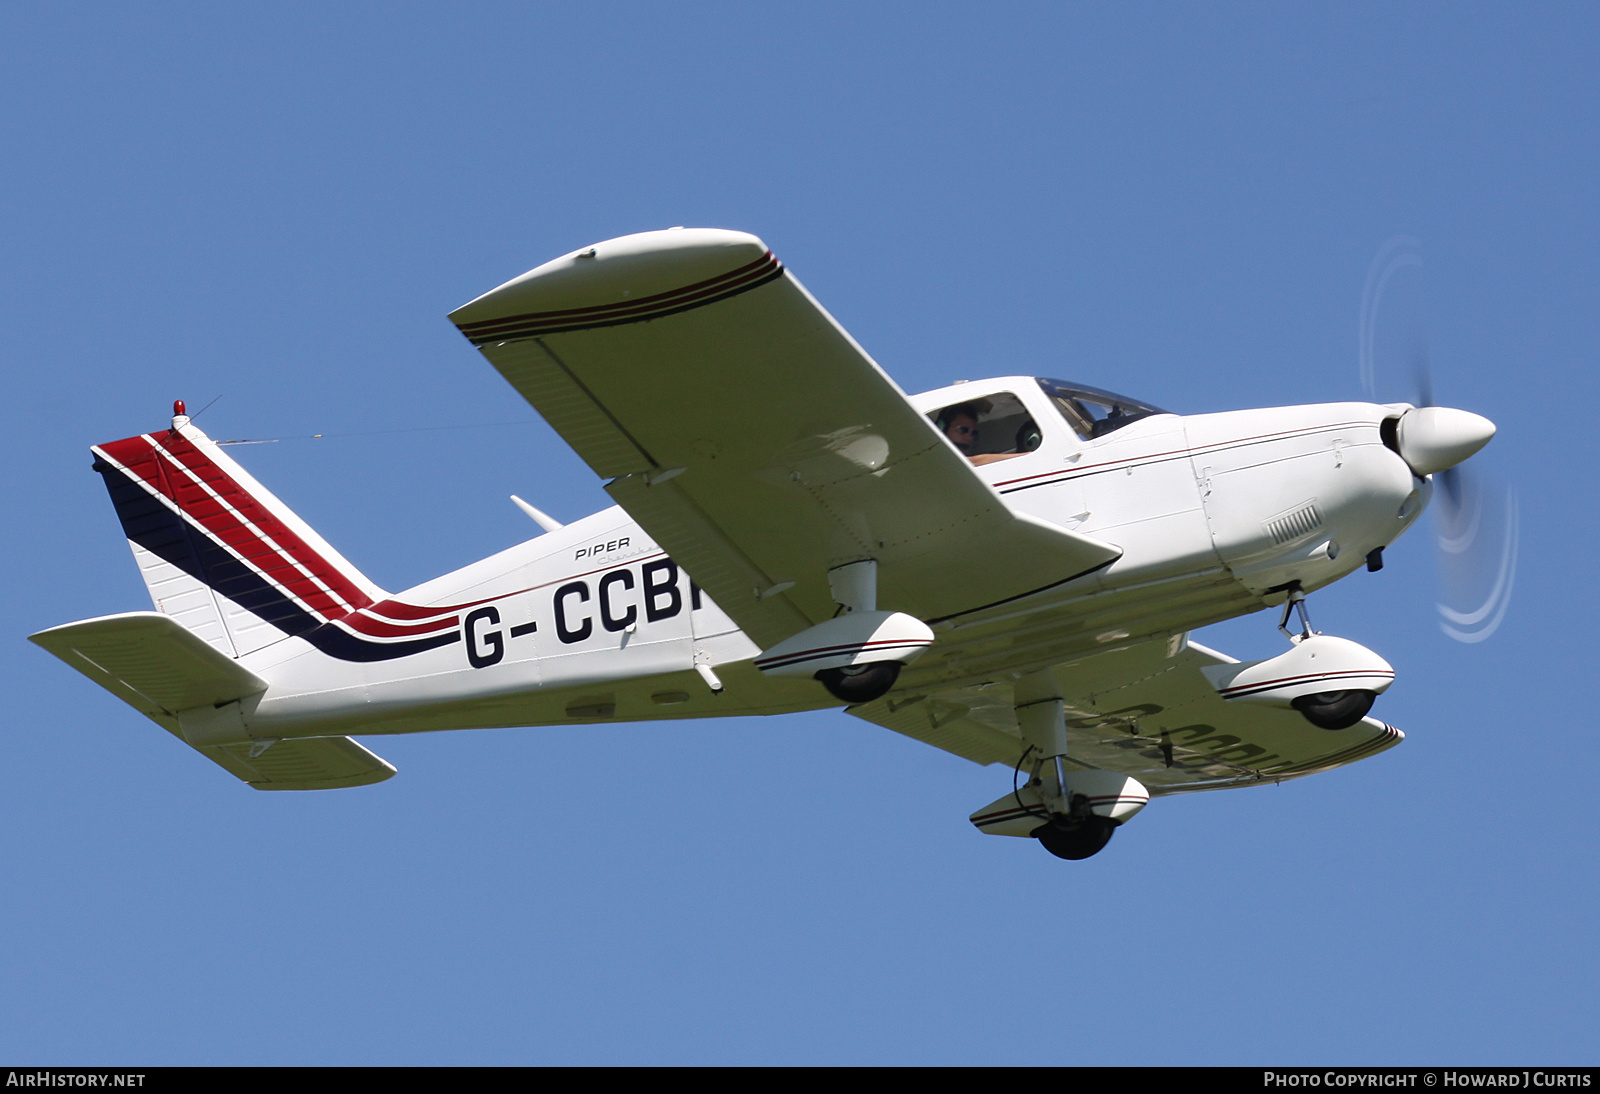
(1071, 830)
(1296, 604)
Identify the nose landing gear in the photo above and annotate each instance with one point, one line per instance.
(1335, 709)
(1323, 709)
(1296, 604)
(1332, 682)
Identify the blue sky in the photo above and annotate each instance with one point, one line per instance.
(274, 206)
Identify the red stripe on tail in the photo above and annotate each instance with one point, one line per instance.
(181, 472)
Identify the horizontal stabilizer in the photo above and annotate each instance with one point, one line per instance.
(150, 661)
(305, 763)
(154, 664)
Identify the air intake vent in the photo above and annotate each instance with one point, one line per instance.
(1297, 523)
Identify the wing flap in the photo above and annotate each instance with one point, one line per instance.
(715, 562)
(572, 411)
(944, 722)
(773, 427)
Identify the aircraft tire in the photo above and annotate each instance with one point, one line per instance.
(860, 683)
(1335, 709)
(1076, 841)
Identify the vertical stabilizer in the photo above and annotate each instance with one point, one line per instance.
(218, 552)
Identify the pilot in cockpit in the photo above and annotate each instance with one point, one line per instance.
(960, 424)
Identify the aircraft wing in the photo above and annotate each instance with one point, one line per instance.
(1144, 711)
(752, 438)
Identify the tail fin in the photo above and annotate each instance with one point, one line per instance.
(218, 552)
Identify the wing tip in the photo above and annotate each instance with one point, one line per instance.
(616, 273)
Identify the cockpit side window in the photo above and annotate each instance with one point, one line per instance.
(1092, 412)
(995, 427)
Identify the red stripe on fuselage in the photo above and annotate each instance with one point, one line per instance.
(361, 623)
(399, 610)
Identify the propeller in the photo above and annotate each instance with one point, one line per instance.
(1476, 534)
(1476, 527)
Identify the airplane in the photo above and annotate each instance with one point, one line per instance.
(1005, 569)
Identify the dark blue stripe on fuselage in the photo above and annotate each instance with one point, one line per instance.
(155, 527)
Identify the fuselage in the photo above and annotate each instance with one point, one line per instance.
(1215, 516)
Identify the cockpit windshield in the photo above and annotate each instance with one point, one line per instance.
(1092, 412)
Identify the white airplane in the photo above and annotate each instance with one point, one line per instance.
(1005, 569)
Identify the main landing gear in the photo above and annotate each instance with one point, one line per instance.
(1074, 839)
(1071, 830)
(860, 683)
(1080, 809)
(1072, 810)
(858, 654)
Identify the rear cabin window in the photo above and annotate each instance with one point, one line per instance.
(994, 427)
